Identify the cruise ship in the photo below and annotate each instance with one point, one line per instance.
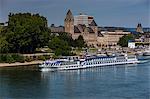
(147, 52)
(88, 62)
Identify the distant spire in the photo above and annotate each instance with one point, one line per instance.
(139, 25)
(139, 28)
(69, 16)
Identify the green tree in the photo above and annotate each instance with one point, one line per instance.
(123, 41)
(26, 32)
(1, 28)
(3, 45)
(80, 42)
(59, 46)
(67, 37)
(10, 59)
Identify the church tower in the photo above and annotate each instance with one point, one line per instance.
(69, 22)
(139, 28)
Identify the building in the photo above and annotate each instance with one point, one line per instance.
(56, 29)
(143, 41)
(139, 28)
(131, 45)
(81, 25)
(110, 37)
(83, 19)
(93, 35)
(146, 37)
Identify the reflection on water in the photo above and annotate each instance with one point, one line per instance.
(115, 82)
(100, 71)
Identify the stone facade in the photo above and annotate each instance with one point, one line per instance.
(57, 29)
(146, 37)
(110, 38)
(69, 23)
(86, 26)
(81, 25)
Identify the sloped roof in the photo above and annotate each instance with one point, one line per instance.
(76, 30)
(93, 23)
(81, 27)
(90, 30)
(69, 16)
(100, 34)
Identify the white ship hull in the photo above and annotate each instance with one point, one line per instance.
(75, 66)
(146, 54)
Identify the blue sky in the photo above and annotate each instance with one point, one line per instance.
(125, 13)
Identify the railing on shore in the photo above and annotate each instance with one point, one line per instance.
(37, 54)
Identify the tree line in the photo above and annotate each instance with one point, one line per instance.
(63, 44)
(123, 41)
(26, 32)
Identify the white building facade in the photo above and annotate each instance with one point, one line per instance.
(131, 45)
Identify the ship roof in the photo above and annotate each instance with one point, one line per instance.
(99, 57)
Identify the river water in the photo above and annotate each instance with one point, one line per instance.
(114, 82)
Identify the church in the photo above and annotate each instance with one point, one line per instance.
(81, 24)
(93, 35)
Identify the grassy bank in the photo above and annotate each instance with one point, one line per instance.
(11, 58)
(15, 57)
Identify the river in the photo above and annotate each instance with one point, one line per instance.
(130, 81)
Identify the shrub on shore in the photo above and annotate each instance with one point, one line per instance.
(41, 58)
(29, 59)
(15, 57)
(11, 58)
(44, 57)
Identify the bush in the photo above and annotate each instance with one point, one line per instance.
(18, 57)
(54, 56)
(11, 58)
(41, 58)
(47, 56)
(21, 59)
(28, 59)
(3, 58)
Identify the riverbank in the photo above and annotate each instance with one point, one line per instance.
(20, 64)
